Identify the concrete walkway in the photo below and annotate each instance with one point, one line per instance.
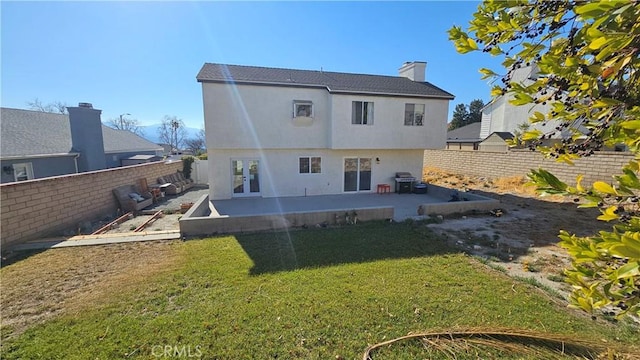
(102, 239)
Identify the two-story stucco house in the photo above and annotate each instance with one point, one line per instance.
(275, 132)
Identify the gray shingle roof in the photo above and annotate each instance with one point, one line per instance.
(125, 141)
(504, 135)
(31, 133)
(25, 132)
(334, 82)
(466, 133)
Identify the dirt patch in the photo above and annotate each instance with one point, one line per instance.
(70, 279)
(523, 239)
(163, 223)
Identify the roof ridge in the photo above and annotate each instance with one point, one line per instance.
(34, 111)
(307, 70)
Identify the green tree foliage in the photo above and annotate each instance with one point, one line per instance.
(475, 111)
(589, 74)
(464, 115)
(460, 115)
(187, 165)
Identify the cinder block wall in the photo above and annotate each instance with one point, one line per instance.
(37, 208)
(598, 167)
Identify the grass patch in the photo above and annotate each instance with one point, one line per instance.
(307, 294)
(536, 283)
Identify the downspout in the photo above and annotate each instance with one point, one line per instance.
(75, 160)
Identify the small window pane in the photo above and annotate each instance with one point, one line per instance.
(362, 113)
(356, 116)
(315, 165)
(419, 114)
(304, 165)
(408, 114)
(413, 114)
(303, 110)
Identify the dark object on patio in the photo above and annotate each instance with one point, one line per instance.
(132, 198)
(404, 182)
(175, 183)
(420, 188)
(455, 196)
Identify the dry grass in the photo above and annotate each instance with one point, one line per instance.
(69, 280)
(497, 343)
(516, 185)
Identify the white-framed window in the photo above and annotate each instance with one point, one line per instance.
(362, 113)
(23, 171)
(310, 165)
(413, 114)
(302, 108)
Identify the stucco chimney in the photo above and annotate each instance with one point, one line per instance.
(86, 136)
(414, 70)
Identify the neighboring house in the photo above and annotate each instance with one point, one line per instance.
(499, 116)
(464, 138)
(166, 149)
(496, 142)
(468, 138)
(37, 144)
(283, 132)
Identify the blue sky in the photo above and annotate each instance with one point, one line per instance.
(142, 57)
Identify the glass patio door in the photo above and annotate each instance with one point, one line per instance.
(357, 174)
(245, 177)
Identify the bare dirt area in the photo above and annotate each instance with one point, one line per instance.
(68, 280)
(522, 237)
(164, 222)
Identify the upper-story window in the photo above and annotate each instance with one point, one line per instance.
(413, 114)
(362, 113)
(302, 108)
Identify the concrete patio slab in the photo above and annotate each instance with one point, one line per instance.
(257, 214)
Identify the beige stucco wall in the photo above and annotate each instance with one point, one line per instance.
(261, 117)
(388, 130)
(279, 173)
(256, 122)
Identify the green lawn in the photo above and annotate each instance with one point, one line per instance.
(308, 294)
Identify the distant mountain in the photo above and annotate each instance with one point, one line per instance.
(150, 132)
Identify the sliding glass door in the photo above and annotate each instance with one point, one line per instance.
(357, 174)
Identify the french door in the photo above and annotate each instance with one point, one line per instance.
(245, 177)
(357, 174)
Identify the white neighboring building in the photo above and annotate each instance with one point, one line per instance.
(500, 116)
(274, 132)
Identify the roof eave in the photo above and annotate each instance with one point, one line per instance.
(37, 156)
(132, 150)
(318, 86)
(354, 92)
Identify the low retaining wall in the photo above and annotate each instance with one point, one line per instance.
(196, 223)
(468, 202)
(42, 207)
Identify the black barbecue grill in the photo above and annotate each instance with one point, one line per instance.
(404, 182)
